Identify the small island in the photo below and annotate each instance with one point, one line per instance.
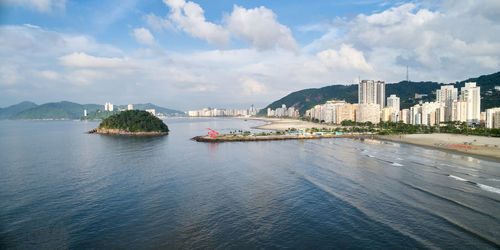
(132, 122)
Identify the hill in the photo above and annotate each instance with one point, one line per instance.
(308, 98)
(158, 109)
(56, 110)
(6, 113)
(69, 110)
(135, 121)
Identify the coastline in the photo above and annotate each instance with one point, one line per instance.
(483, 146)
(122, 132)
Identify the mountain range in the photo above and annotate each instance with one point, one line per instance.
(66, 110)
(405, 90)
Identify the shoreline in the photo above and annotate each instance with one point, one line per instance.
(271, 138)
(488, 147)
(122, 132)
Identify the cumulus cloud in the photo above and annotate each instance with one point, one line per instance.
(143, 36)
(38, 5)
(259, 26)
(189, 17)
(251, 86)
(345, 58)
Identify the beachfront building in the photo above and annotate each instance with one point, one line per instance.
(386, 114)
(151, 111)
(447, 94)
(329, 111)
(368, 113)
(493, 118)
(393, 103)
(346, 112)
(130, 107)
(404, 115)
(108, 106)
(428, 113)
(283, 112)
(471, 95)
(459, 111)
(84, 112)
(371, 92)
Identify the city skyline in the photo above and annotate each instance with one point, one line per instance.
(185, 54)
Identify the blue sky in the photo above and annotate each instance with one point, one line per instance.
(191, 54)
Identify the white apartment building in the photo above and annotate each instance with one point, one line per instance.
(371, 92)
(393, 103)
(130, 107)
(447, 94)
(472, 96)
(493, 118)
(108, 106)
(368, 113)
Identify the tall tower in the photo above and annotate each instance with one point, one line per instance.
(471, 94)
(371, 92)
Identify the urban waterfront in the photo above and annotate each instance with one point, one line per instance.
(62, 188)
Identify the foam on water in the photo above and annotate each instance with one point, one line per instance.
(457, 178)
(397, 164)
(488, 188)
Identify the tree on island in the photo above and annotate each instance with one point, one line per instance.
(134, 121)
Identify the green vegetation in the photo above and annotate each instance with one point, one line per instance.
(99, 115)
(134, 121)
(10, 111)
(56, 110)
(308, 98)
(70, 110)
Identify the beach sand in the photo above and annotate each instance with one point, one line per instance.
(475, 145)
(481, 145)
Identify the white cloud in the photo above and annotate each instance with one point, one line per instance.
(251, 86)
(190, 17)
(143, 36)
(158, 23)
(345, 58)
(38, 5)
(259, 27)
(82, 60)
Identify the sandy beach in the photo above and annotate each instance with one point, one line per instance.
(475, 145)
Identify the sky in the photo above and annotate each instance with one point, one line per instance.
(232, 54)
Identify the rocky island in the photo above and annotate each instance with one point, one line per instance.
(132, 122)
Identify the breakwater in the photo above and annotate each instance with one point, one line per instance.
(229, 138)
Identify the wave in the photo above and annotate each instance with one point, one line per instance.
(457, 178)
(397, 164)
(488, 188)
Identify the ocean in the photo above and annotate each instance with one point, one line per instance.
(63, 188)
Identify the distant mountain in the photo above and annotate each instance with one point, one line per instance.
(308, 98)
(6, 113)
(66, 110)
(56, 110)
(158, 109)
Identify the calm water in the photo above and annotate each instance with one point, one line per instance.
(62, 188)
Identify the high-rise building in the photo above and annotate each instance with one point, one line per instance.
(472, 96)
(130, 107)
(459, 111)
(447, 94)
(368, 113)
(386, 114)
(371, 92)
(346, 112)
(393, 102)
(493, 118)
(84, 112)
(404, 115)
(329, 111)
(108, 106)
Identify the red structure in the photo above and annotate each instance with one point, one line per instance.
(212, 133)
